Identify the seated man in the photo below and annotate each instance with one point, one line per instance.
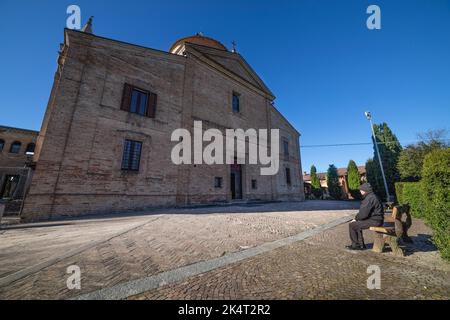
(370, 214)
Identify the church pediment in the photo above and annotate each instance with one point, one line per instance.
(234, 63)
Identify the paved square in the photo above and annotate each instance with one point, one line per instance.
(112, 251)
(320, 268)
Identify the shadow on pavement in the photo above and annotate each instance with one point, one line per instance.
(420, 243)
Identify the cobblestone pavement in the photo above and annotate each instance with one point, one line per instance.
(320, 268)
(111, 250)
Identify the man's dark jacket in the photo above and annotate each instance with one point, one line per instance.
(371, 208)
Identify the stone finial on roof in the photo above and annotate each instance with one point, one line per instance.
(234, 47)
(88, 26)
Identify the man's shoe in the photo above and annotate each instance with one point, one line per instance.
(354, 247)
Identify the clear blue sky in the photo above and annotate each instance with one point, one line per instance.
(325, 67)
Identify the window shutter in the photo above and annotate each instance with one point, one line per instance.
(126, 97)
(151, 104)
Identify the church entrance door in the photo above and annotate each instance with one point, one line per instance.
(236, 181)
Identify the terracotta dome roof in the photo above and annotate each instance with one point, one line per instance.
(197, 39)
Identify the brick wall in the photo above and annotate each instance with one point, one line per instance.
(11, 135)
(80, 147)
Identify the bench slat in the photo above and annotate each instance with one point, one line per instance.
(386, 230)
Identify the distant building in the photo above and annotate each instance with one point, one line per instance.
(15, 143)
(343, 182)
(16, 153)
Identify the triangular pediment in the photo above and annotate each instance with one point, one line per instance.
(234, 63)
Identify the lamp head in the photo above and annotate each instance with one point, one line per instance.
(368, 115)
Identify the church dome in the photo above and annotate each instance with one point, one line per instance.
(199, 39)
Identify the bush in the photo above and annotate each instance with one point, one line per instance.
(436, 186)
(317, 192)
(411, 193)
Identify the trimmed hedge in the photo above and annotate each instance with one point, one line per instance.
(430, 198)
(436, 193)
(399, 192)
(411, 193)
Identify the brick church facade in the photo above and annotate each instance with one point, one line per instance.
(105, 146)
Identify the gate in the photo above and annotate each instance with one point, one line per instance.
(14, 184)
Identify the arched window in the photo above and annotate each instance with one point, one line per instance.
(30, 148)
(2, 144)
(15, 147)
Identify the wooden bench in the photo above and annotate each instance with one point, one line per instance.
(393, 230)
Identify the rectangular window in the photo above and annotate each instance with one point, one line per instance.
(131, 155)
(286, 148)
(254, 185)
(236, 104)
(288, 176)
(139, 101)
(218, 182)
(15, 147)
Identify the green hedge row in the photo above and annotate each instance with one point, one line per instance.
(411, 193)
(430, 198)
(436, 193)
(399, 192)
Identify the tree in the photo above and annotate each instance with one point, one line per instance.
(411, 158)
(410, 163)
(390, 149)
(333, 182)
(433, 140)
(354, 179)
(374, 178)
(315, 183)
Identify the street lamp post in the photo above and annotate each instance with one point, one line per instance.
(369, 117)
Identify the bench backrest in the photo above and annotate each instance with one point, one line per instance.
(399, 211)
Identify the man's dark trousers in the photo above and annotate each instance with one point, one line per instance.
(356, 228)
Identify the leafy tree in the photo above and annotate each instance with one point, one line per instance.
(433, 140)
(411, 158)
(390, 149)
(410, 163)
(333, 182)
(354, 179)
(315, 183)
